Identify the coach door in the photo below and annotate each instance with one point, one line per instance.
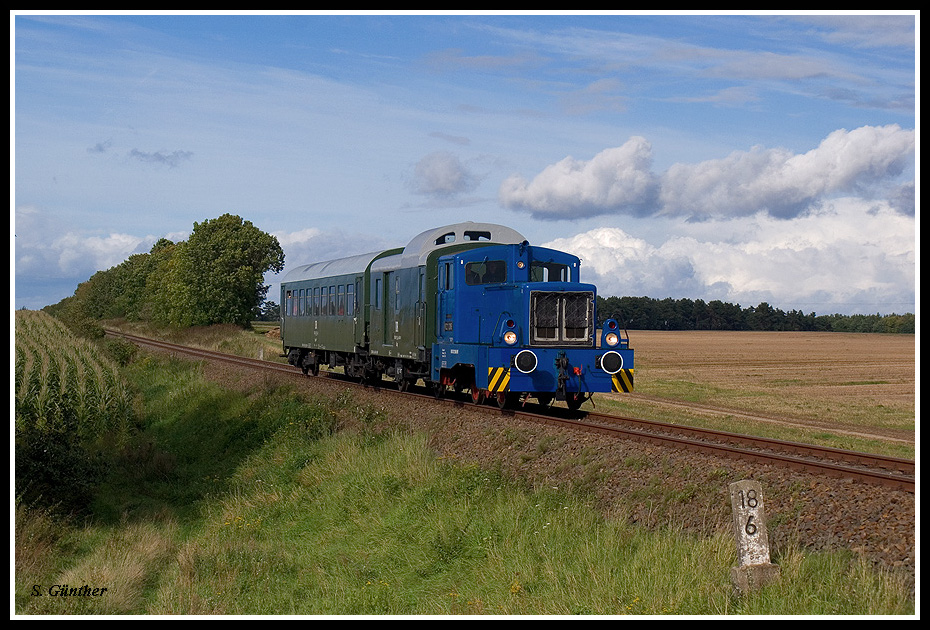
(389, 312)
(420, 310)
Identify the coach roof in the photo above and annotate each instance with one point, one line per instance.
(331, 268)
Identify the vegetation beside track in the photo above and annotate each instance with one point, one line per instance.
(224, 503)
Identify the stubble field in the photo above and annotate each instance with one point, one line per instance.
(825, 387)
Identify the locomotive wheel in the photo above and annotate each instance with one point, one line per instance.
(504, 399)
(477, 395)
(574, 400)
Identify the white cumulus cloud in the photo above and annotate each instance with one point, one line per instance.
(619, 181)
(849, 256)
(615, 180)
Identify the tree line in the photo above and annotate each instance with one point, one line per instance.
(214, 277)
(644, 313)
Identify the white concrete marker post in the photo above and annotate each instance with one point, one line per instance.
(752, 539)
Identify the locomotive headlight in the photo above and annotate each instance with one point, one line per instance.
(611, 339)
(510, 337)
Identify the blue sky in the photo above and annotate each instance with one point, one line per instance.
(744, 157)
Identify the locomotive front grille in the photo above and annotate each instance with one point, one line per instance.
(562, 318)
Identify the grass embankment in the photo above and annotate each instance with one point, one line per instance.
(230, 504)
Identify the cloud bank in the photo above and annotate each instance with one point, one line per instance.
(817, 263)
(620, 180)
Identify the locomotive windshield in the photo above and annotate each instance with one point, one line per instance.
(548, 272)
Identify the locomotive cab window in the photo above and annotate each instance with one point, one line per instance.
(486, 272)
(548, 272)
(446, 279)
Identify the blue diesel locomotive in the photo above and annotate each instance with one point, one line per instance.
(470, 306)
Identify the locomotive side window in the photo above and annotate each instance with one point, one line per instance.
(486, 272)
(445, 282)
(446, 238)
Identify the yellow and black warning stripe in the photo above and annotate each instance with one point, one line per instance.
(623, 381)
(498, 379)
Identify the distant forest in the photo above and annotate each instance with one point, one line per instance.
(643, 313)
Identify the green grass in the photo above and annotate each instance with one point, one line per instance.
(248, 505)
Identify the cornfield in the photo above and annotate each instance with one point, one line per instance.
(65, 383)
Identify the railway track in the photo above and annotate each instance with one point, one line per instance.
(863, 467)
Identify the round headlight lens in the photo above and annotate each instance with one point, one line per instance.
(510, 337)
(611, 339)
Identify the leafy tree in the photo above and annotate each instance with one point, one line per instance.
(268, 312)
(217, 275)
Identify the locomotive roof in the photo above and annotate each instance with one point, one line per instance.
(468, 231)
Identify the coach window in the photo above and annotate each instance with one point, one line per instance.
(288, 302)
(350, 300)
(341, 307)
(377, 293)
(316, 301)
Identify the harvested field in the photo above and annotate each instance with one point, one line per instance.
(858, 383)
